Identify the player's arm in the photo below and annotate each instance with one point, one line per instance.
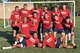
(57, 22)
(44, 44)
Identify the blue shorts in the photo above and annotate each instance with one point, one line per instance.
(59, 30)
(58, 43)
(23, 43)
(46, 30)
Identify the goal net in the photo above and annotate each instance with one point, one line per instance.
(9, 6)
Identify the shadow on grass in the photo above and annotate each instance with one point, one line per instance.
(7, 35)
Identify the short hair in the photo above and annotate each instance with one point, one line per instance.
(55, 15)
(67, 17)
(55, 6)
(24, 5)
(16, 7)
(34, 13)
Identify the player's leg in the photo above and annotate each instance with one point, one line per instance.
(55, 32)
(68, 46)
(73, 43)
(63, 36)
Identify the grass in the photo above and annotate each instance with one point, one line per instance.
(6, 40)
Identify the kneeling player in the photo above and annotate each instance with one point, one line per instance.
(22, 42)
(69, 30)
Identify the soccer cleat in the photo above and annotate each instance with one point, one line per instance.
(73, 44)
(65, 43)
(75, 47)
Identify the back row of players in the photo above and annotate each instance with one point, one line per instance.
(29, 22)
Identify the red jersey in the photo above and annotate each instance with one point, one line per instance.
(34, 24)
(24, 13)
(46, 23)
(37, 10)
(65, 13)
(48, 12)
(58, 24)
(49, 41)
(15, 18)
(31, 41)
(68, 25)
(25, 29)
(58, 13)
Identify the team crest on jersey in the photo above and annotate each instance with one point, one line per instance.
(32, 39)
(49, 40)
(25, 25)
(25, 12)
(63, 12)
(46, 21)
(17, 16)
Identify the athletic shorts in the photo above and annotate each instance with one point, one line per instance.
(58, 43)
(32, 32)
(23, 43)
(67, 31)
(59, 30)
(15, 28)
(46, 30)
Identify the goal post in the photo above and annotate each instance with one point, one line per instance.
(9, 6)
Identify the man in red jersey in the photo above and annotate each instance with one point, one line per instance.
(45, 10)
(22, 42)
(38, 10)
(46, 20)
(15, 20)
(58, 27)
(24, 12)
(49, 40)
(65, 12)
(56, 11)
(69, 30)
(25, 28)
(34, 23)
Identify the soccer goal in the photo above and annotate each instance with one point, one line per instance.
(9, 6)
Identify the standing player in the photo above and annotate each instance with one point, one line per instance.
(56, 11)
(22, 42)
(15, 20)
(24, 12)
(46, 20)
(65, 12)
(38, 10)
(34, 23)
(69, 29)
(58, 27)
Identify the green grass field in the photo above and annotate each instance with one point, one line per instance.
(6, 40)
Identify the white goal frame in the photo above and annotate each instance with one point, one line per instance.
(37, 2)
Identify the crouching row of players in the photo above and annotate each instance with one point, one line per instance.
(33, 41)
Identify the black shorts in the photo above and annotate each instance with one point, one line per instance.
(32, 32)
(67, 31)
(15, 28)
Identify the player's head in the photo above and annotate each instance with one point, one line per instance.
(35, 35)
(25, 6)
(64, 6)
(56, 17)
(46, 34)
(45, 15)
(36, 6)
(55, 8)
(25, 19)
(34, 14)
(67, 19)
(45, 7)
(17, 8)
